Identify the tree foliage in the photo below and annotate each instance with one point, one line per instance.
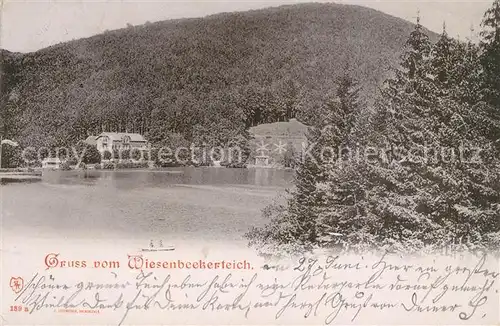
(490, 58)
(432, 178)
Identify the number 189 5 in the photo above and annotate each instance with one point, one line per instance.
(18, 308)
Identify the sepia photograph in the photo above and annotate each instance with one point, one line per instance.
(249, 162)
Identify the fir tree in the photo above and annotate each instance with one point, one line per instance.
(456, 68)
(457, 73)
(442, 62)
(298, 221)
(466, 75)
(350, 106)
(434, 179)
(417, 51)
(415, 195)
(430, 195)
(490, 58)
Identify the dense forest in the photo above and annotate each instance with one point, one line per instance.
(433, 182)
(195, 80)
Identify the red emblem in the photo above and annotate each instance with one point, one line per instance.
(16, 284)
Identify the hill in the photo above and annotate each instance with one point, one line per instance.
(204, 79)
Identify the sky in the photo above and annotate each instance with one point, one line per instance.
(31, 25)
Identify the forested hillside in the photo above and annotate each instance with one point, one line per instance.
(203, 79)
(428, 178)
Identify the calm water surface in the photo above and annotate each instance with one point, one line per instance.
(184, 203)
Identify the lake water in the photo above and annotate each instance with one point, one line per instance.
(202, 204)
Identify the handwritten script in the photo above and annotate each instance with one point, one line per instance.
(330, 289)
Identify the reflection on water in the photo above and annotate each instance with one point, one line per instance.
(176, 176)
(18, 179)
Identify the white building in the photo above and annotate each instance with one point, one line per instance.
(109, 141)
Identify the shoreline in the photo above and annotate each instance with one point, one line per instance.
(17, 172)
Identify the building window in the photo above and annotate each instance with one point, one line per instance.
(126, 142)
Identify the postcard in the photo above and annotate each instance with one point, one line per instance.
(250, 163)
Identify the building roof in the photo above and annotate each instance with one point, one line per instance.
(91, 140)
(290, 129)
(119, 136)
